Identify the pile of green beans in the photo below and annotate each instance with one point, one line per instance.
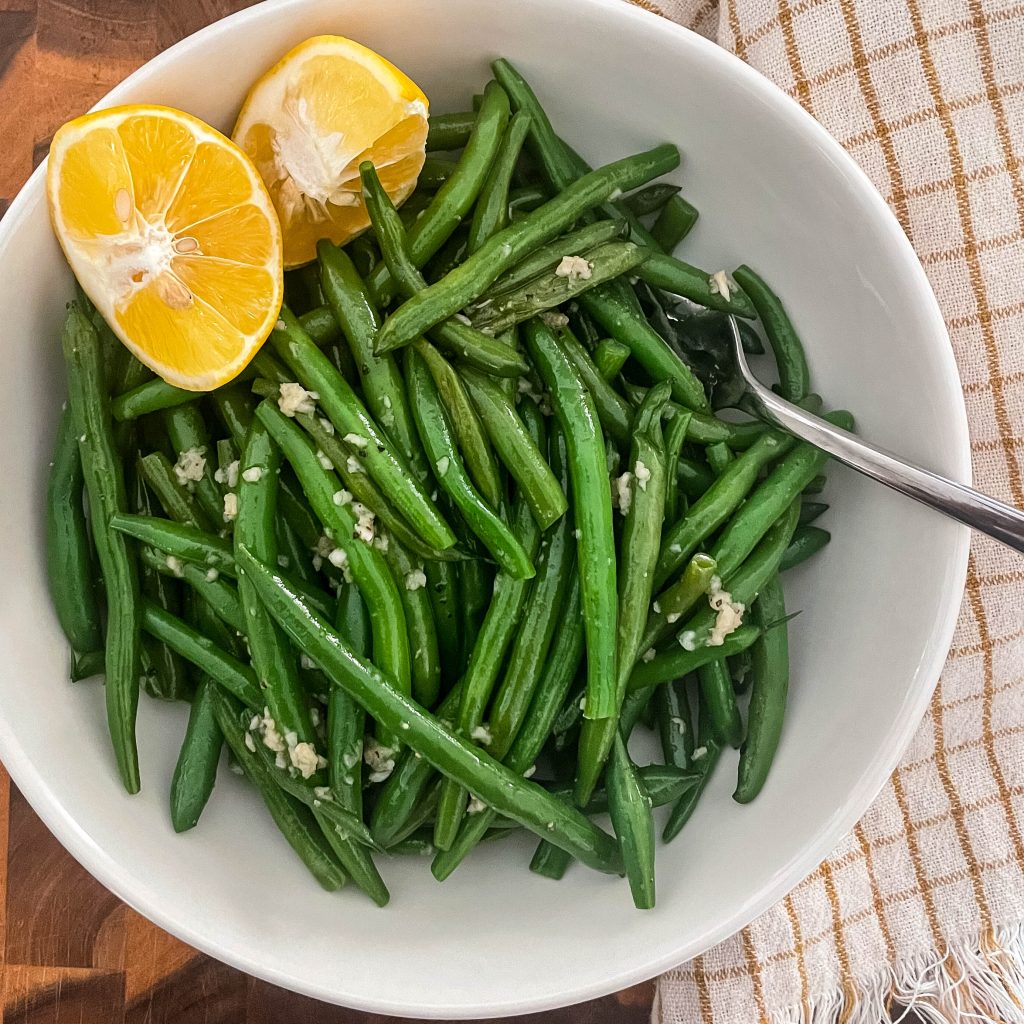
(464, 526)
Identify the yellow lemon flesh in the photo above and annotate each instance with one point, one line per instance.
(308, 123)
(172, 235)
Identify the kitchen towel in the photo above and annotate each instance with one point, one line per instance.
(923, 903)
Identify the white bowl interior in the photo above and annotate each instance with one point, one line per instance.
(877, 608)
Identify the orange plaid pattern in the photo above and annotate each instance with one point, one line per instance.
(925, 899)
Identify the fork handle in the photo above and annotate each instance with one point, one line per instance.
(964, 504)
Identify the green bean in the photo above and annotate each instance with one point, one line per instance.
(105, 488)
(177, 502)
(794, 377)
(411, 209)
(817, 485)
(649, 200)
(743, 584)
(770, 500)
(467, 282)
(153, 396)
(202, 652)
(609, 357)
(166, 675)
(379, 376)
(273, 661)
(651, 351)
(698, 286)
(717, 503)
(346, 720)
(84, 666)
(476, 586)
(527, 197)
(487, 653)
(718, 694)
(499, 628)
(705, 430)
(365, 561)
(234, 406)
(195, 771)
(68, 550)
(420, 845)
(544, 259)
(443, 584)
(227, 454)
(739, 669)
(674, 223)
(704, 759)
(718, 457)
(549, 861)
(188, 434)
(182, 540)
(675, 723)
(419, 618)
(663, 784)
(502, 789)
(675, 602)
(469, 432)
(435, 432)
(156, 394)
(770, 671)
(434, 173)
(453, 336)
(220, 595)
(520, 455)
(449, 131)
(545, 145)
(807, 541)
(564, 658)
(556, 564)
(491, 211)
(451, 254)
(456, 197)
(349, 416)
(638, 553)
(294, 556)
(675, 435)
(201, 575)
(606, 262)
(404, 790)
(362, 487)
(341, 829)
(633, 821)
(293, 819)
(592, 512)
(811, 510)
(345, 743)
(675, 663)
(613, 410)
(321, 325)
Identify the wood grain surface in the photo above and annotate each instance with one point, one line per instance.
(70, 952)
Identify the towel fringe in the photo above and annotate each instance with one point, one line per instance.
(974, 982)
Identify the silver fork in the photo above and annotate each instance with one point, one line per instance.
(964, 504)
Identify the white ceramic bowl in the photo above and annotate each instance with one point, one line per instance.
(878, 607)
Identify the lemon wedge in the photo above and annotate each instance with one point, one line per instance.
(171, 233)
(307, 124)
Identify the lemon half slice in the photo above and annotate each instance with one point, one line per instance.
(171, 233)
(326, 106)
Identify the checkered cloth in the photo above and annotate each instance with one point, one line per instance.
(924, 901)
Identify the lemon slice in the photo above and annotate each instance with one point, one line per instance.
(171, 233)
(326, 106)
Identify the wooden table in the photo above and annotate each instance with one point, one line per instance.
(70, 952)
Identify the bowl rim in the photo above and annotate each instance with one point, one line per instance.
(105, 869)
